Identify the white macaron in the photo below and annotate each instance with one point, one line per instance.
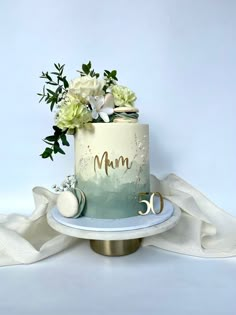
(67, 204)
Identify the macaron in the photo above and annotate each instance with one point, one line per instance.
(67, 204)
(125, 109)
(126, 115)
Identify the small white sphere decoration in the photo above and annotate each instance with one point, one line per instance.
(67, 204)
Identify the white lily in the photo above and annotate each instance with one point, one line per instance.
(102, 106)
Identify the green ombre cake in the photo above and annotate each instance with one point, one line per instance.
(111, 147)
(112, 168)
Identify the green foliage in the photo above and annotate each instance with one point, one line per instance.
(57, 80)
(47, 153)
(110, 78)
(54, 91)
(87, 70)
(54, 142)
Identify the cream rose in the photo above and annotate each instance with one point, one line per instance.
(83, 87)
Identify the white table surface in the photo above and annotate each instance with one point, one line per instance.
(150, 281)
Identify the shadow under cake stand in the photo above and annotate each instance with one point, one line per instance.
(116, 237)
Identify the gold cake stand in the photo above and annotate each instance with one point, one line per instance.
(115, 243)
(115, 247)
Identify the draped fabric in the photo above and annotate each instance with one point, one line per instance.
(25, 240)
(203, 230)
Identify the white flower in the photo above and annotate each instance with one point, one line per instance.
(86, 86)
(65, 184)
(71, 181)
(68, 183)
(57, 189)
(102, 106)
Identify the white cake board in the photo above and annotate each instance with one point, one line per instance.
(112, 225)
(62, 225)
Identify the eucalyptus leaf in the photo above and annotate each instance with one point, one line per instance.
(48, 76)
(85, 68)
(47, 153)
(89, 65)
(61, 151)
(56, 147)
(57, 66)
(50, 91)
(57, 129)
(64, 140)
(66, 84)
(51, 83)
(50, 138)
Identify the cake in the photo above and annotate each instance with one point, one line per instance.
(112, 168)
(111, 148)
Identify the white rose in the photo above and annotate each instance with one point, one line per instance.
(86, 86)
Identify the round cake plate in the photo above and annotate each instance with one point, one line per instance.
(116, 225)
(116, 237)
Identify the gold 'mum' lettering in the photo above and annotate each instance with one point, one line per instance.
(106, 162)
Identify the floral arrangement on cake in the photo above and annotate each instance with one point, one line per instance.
(86, 99)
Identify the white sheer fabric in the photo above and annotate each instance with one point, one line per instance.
(203, 230)
(25, 240)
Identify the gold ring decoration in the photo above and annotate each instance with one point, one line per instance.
(150, 206)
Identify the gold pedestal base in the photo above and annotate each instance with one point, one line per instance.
(115, 248)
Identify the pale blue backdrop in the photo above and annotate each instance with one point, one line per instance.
(179, 57)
